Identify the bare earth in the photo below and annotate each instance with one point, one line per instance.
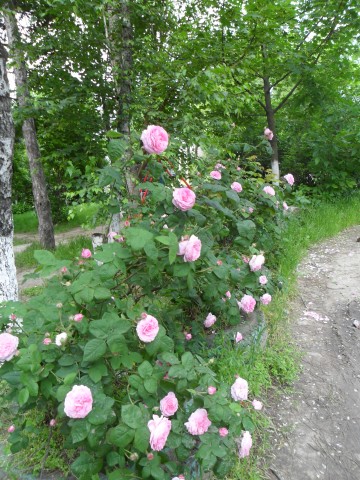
(318, 426)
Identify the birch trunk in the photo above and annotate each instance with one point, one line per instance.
(8, 282)
(39, 188)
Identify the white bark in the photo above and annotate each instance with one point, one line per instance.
(8, 282)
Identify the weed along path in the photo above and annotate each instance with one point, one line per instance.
(317, 427)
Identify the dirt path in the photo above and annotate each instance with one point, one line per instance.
(318, 426)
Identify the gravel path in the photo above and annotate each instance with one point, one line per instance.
(318, 426)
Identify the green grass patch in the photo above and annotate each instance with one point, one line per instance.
(81, 215)
(66, 251)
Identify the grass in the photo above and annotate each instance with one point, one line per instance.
(66, 251)
(83, 215)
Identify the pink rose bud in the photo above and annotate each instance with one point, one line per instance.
(78, 317)
(219, 166)
(250, 209)
(223, 432)
(52, 422)
(150, 456)
(236, 187)
(290, 179)
(268, 134)
(238, 337)
(183, 198)
(256, 404)
(228, 294)
(269, 190)
(238, 169)
(219, 262)
(155, 139)
(13, 317)
(211, 390)
(59, 305)
(63, 270)
(126, 223)
(263, 280)
(47, 341)
(215, 174)
(134, 457)
(86, 253)
(245, 259)
(285, 206)
(188, 336)
(11, 429)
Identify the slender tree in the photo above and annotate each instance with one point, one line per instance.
(8, 283)
(41, 198)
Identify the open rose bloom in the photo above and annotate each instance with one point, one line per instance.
(155, 139)
(209, 320)
(159, 431)
(198, 422)
(289, 177)
(269, 190)
(8, 346)
(246, 444)
(239, 389)
(169, 405)
(268, 134)
(247, 303)
(183, 198)
(256, 262)
(190, 248)
(147, 328)
(78, 402)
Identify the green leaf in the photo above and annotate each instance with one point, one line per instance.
(232, 195)
(80, 430)
(102, 293)
(116, 149)
(44, 257)
(163, 239)
(151, 385)
(187, 360)
(248, 424)
(23, 396)
(110, 326)
(182, 269)
(145, 369)
(142, 439)
(151, 250)
(69, 379)
(170, 358)
(113, 134)
(86, 464)
(97, 371)
(137, 238)
(177, 371)
(94, 350)
(120, 436)
(131, 415)
(173, 247)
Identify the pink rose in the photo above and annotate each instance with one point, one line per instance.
(169, 404)
(183, 198)
(256, 262)
(219, 262)
(245, 259)
(52, 422)
(188, 336)
(263, 280)
(269, 190)
(47, 341)
(236, 186)
(11, 429)
(155, 139)
(290, 179)
(209, 320)
(268, 134)
(256, 404)
(265, 299)
(240, 389)
(198, 422)
(8, 346)
(78, 402)
(250, 209)
(78, 317)
(238, 337)
(247, 303)
(147, 328)
(216, 175)
(86, 253)
(246, 444)
(223, 432)
(219, 166)
(63, 269)
(190, 248)
(228, 294)
(211, 390)
(126, 223)
(285, 206)
(159, 431)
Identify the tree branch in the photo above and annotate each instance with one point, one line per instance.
(286, 98)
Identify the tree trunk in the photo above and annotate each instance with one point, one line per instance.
(41, 198)
(8, 282)
(120, 46)
(270, 115)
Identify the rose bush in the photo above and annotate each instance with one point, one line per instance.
(110, 347)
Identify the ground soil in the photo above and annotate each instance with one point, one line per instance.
(316, 431)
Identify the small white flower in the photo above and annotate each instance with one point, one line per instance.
(60, 339)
